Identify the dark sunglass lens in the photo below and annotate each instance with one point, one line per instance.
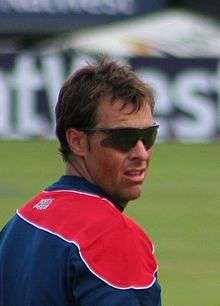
(150, 137)
(125, 139)
(122, 140)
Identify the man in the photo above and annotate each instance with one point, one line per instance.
(72, 244)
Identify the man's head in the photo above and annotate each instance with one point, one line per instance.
(92, 103)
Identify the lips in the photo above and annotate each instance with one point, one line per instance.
(135, 175)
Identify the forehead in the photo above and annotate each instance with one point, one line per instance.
(119, 114)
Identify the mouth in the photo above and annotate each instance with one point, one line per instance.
(135, 175)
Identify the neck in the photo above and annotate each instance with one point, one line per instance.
(74, 169)
(78, 168)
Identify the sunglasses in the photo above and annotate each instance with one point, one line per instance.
(124, 139)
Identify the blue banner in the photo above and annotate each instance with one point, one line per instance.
(55, 16)
(187, 93)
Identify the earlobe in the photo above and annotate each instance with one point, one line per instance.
(76, 141)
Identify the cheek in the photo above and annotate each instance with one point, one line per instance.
(112, 163)
(109, 165)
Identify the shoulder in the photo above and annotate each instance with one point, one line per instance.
(111, 245)
(68, 211)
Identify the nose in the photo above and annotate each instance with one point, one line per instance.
(140, 152)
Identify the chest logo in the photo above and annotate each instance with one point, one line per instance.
(43, 204)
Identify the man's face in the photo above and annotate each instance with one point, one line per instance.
(120, 174)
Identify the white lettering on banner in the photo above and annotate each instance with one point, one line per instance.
(163, 108)
(217, 85)
(128, 7)
(26, 80)
(110, 7)
(185, 105)
(29, 6)
(80, 61)
(54, 74)
(5, 109)
(189, 91)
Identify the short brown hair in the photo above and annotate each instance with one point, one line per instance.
(82, 92)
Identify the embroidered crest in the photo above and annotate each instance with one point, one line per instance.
(43, 204)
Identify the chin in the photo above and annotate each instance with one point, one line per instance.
(132, 194)
(134, 197)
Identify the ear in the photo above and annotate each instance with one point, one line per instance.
(76, 141)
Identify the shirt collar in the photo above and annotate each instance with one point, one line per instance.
(70, 182)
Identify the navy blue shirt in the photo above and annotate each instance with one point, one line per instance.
(40, 268)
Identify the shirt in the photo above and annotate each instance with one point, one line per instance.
(71, 245)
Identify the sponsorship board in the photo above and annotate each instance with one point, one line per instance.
(187, 93)
(40, 16)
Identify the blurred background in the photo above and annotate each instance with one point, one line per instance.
(175, 47)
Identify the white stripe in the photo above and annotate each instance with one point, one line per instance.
(83, 259)
(83, 193)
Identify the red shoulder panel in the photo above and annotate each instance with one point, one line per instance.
(112, 246)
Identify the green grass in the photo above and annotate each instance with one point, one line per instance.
(179, 208)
